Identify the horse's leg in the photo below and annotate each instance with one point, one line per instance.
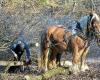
(45, 57)
(50, 63)
(83, 60)
(42, 60)
(75, 68)
(58, 57)
(52, 60)
(76, 59)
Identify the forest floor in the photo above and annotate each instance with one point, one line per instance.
(93, 61)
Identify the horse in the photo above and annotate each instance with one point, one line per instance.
(56, 40)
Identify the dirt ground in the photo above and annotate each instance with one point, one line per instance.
(92, 74)
(93, 61)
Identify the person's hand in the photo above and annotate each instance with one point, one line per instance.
(29, 62)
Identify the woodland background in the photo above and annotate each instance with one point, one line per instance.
(25, 19)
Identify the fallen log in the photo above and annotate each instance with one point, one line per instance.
(48, 74)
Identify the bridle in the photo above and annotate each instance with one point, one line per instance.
(93, 33)
(90, 32)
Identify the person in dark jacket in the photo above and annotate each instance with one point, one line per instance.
(18, 50)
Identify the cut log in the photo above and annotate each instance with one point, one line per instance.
(11, 63)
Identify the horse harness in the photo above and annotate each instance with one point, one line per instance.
(80, 33)
(85, 36)
(67, 39)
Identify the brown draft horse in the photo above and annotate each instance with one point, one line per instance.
(56, 39)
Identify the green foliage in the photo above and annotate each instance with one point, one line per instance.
(43, 2)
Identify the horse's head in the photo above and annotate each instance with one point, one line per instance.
(95, 26)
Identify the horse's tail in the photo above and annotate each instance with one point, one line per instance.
(42, 47)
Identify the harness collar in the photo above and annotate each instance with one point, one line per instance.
(80, 32)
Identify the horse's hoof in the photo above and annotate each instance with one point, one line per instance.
(74, 69)
(46, 69)
(66, 63)
(84, 68)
